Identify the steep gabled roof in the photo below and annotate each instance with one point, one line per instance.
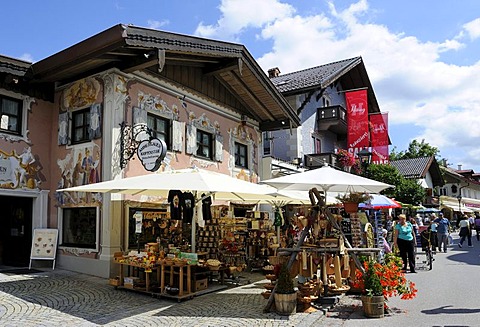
(13, 77)
(159, 53)
(351, 73)
(13, 66)
(416, 168)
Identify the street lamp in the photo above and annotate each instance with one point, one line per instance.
(365, 157)
(459, 198)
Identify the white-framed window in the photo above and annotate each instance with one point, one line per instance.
(80, 125)
(325, 101)
(11, 115)
(205, 147)
(14, 109)
(79, 228)
(160, 128)
(241, 155)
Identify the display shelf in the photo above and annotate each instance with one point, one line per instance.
(184, 277)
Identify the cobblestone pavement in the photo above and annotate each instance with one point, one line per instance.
(64, 298)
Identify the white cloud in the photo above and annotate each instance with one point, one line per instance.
(27, 57)
(156, 24)
(473, 28)
(238, 15)
(434, 100)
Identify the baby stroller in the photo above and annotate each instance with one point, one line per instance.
(426, 241)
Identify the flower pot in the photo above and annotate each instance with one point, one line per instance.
(285, 304)
(350, 207)
(373, 306)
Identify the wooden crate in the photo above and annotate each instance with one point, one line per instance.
(114, 281)
(201, 284)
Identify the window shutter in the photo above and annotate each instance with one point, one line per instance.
(191, 139)
(219, 148)
(139, 116)
(139, 119)
(177, 135)
(63, 128)
(95, 128)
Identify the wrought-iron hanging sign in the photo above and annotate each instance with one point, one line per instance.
(151, 153)
(139, 139)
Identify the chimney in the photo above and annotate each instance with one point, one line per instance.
(273, 72)
(459, 167)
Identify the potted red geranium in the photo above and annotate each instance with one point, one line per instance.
(381, 281)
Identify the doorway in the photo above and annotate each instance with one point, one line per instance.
(15, 230)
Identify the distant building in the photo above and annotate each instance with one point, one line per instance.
(318, 96)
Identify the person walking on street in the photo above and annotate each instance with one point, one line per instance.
(477, 225)
(433, 235)
(404, 238)
(471, 224)
(443, 228)
(464, 226)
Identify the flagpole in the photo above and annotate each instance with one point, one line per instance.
(352, 90)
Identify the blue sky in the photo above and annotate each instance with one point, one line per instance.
(422, 57)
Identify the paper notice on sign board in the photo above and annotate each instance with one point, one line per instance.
(138, 216)
(44, 243)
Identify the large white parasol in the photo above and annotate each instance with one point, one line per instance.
(327, 179)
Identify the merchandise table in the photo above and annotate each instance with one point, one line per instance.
(181, 274)
(147, 271)
(188, 280)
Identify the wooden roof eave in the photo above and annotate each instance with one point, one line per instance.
(124, 47)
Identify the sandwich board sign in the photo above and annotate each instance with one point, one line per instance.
(44, 245)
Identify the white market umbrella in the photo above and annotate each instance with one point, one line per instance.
(220, 186)
(327, 179)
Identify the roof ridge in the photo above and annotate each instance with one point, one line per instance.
(315, 67)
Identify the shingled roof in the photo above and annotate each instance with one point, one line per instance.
(417, 168)
(173, 57)
(351, 73)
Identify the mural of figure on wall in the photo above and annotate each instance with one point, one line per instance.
(87, 163)
(93, 176)
(19, 171)
(80, 167)
(26, 168)
(77, 177)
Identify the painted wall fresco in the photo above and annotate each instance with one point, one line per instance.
(192, 115)
(79, 164)
(79, 167)
(19, 171)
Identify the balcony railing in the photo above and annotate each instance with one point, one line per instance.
(317, 160)
(333, 119)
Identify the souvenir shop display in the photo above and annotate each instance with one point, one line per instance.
(322, 261)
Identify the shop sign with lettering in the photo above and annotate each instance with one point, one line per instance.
(151, 153)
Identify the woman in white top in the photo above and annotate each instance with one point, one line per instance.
(464, 225)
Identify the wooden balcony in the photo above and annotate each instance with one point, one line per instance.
(333, 119)
(317, 160)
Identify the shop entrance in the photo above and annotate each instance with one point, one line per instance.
(15, 230)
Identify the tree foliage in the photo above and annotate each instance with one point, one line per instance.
(415, 149)
(406, 190)
(409, 191)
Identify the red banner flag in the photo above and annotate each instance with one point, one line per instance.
(357, 119)
(379, 138)
(379, 129)
(380, 155)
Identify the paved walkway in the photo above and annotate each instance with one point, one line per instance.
(64, 298)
